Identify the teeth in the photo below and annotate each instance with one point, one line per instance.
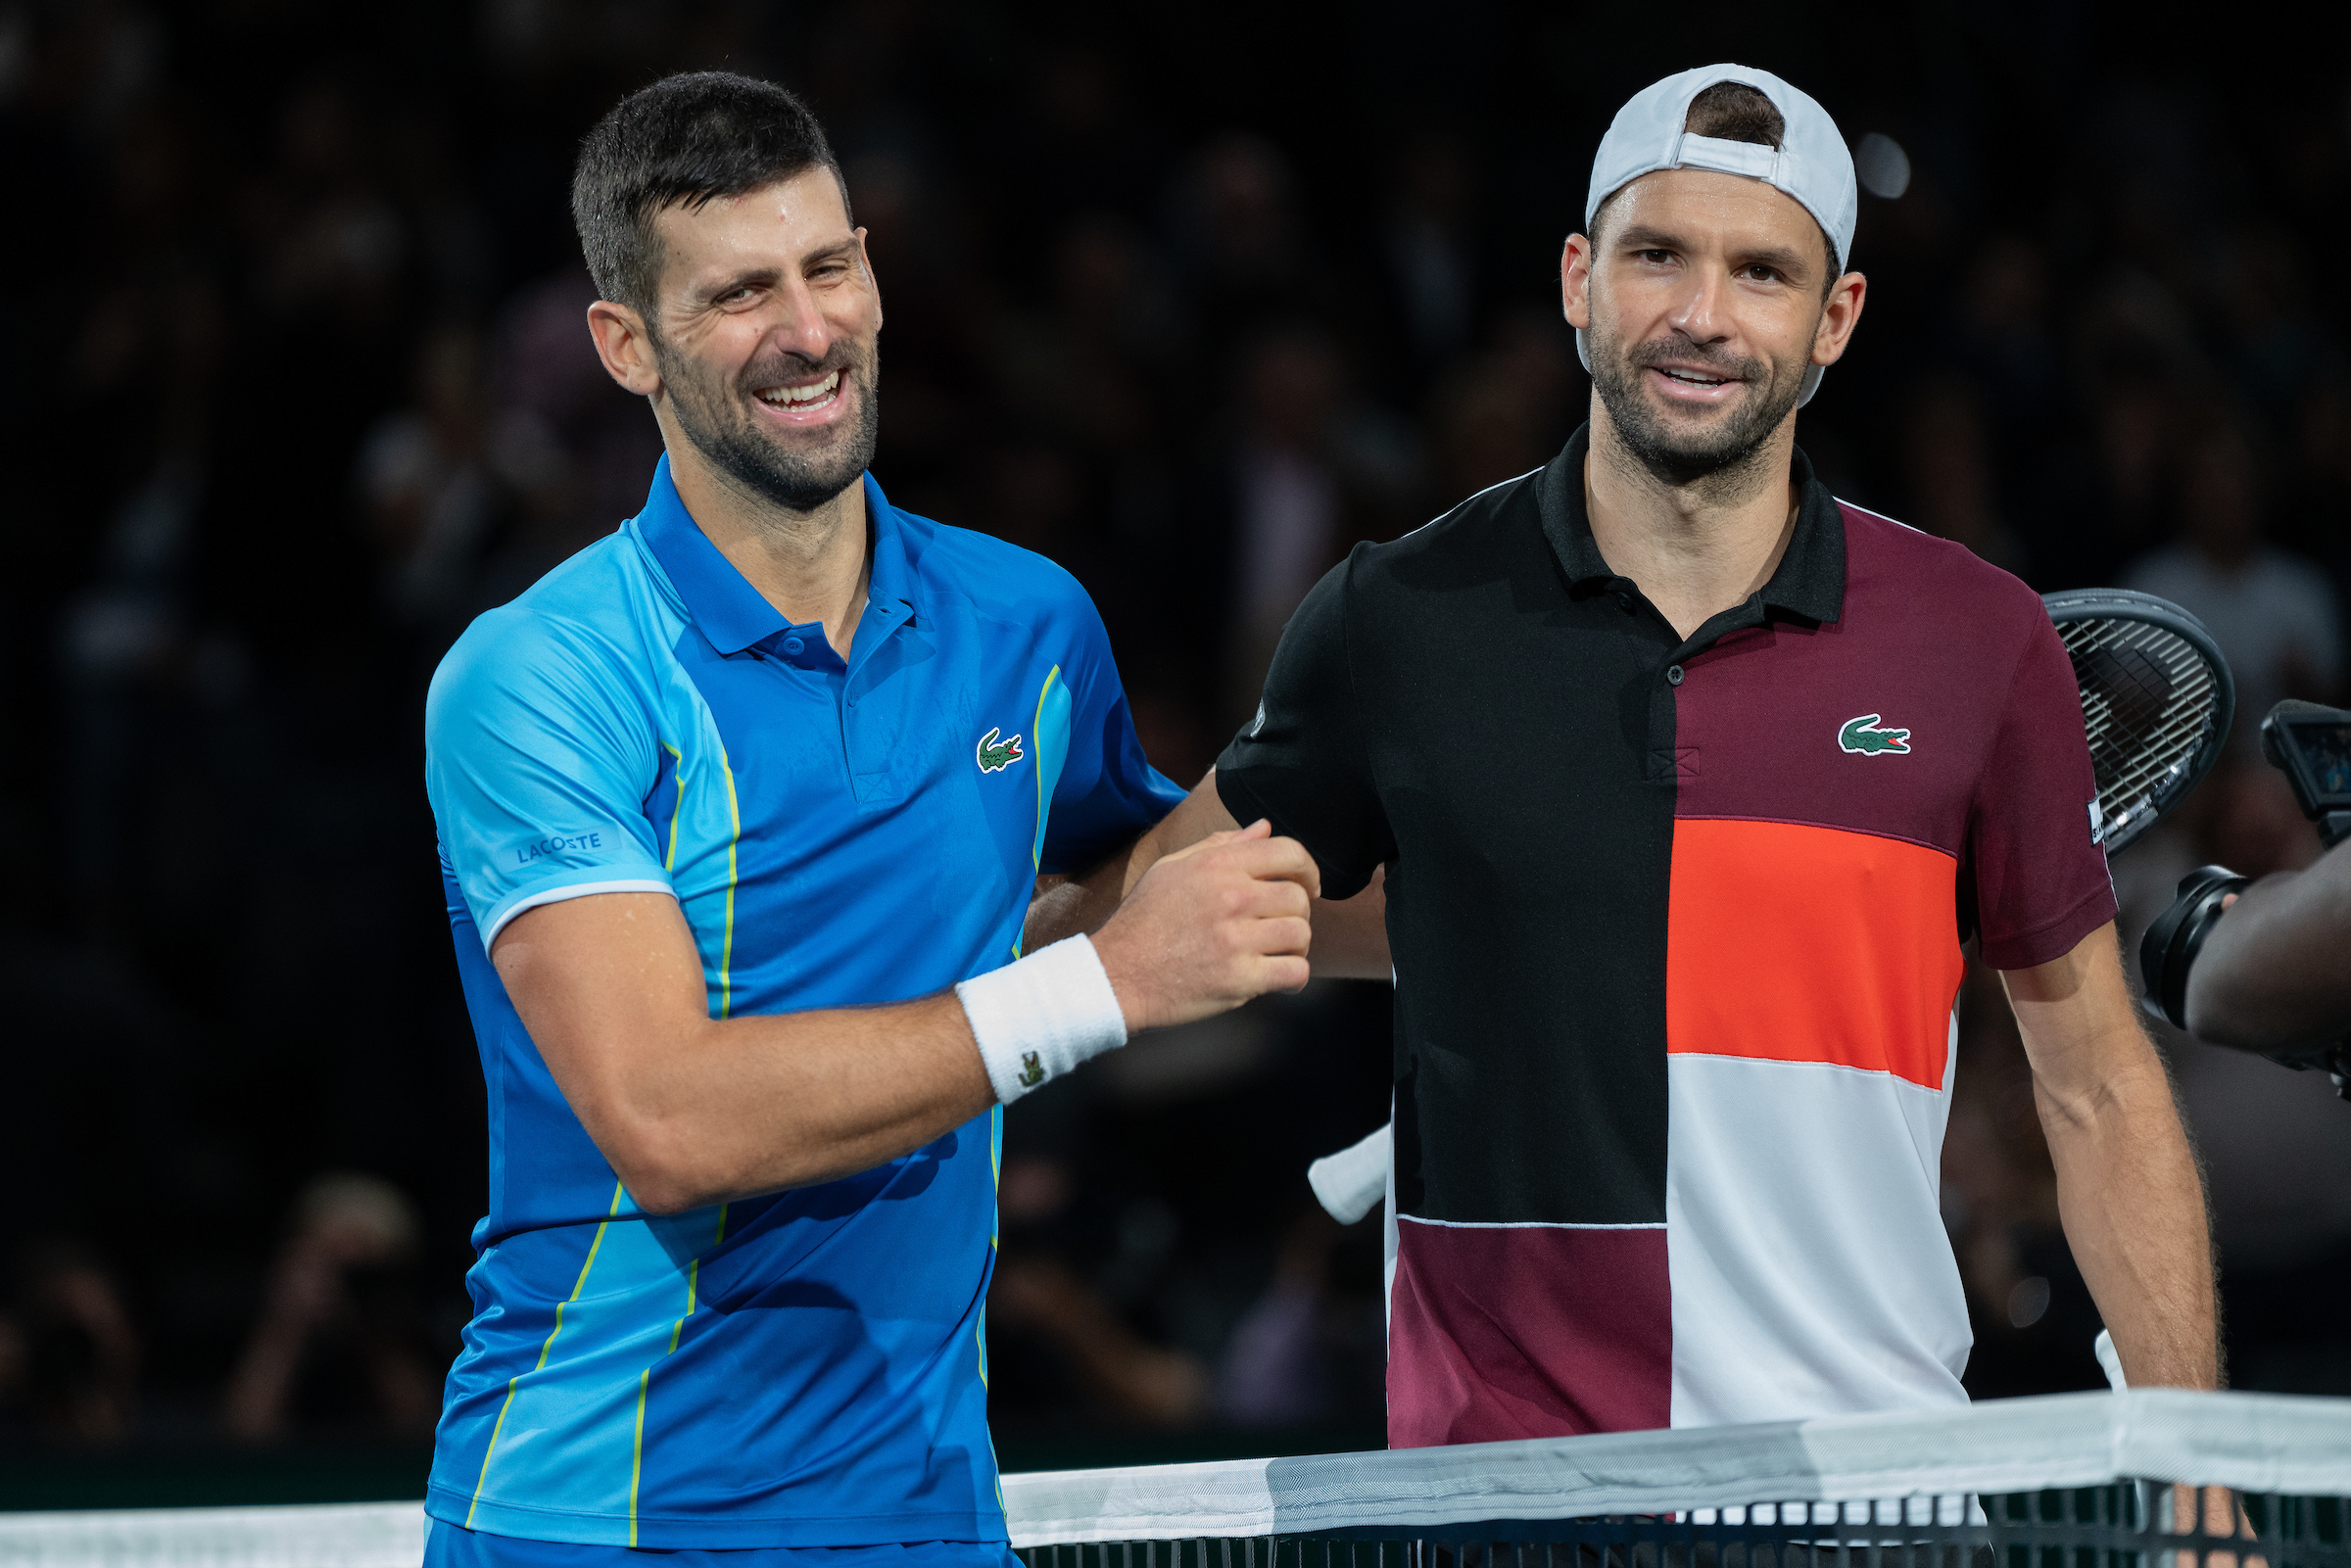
(1696, 381)
(798, 397)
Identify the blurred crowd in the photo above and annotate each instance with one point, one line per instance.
(298, 383)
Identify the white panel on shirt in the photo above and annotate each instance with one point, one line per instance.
(1811, 1272)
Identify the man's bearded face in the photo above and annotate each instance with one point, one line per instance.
(1681, 444)
(799, 469)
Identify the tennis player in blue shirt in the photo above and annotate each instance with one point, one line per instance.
(741, 812)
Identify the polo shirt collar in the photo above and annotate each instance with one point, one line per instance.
(1809, 581)
(725, 608)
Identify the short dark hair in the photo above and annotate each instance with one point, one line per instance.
(683, 141)
(1734, 112)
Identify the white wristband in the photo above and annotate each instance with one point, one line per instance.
(1039, 1017)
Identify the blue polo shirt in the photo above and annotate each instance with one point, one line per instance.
(808, 1368)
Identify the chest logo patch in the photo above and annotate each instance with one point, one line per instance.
(1864, 737)
(997, 755)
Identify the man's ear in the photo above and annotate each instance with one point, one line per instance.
(624, 346)
(1838, 318)
(1575, 281)
(867, 263)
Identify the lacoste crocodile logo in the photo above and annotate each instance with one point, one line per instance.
(1033, 1071)
(1863, 738)
(995, 756)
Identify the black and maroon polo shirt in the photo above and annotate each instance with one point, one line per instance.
(1676, 926)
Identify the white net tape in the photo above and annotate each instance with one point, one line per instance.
(359, 1535)
(1865, 1467)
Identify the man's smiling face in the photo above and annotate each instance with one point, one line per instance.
(1706, 300)
(766, 331)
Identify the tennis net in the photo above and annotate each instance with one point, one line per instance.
(2067, 1481)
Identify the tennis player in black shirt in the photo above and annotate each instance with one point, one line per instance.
(1671, 786)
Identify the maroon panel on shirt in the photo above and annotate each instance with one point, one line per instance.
(2041, 883)
(1527, 1331)
(1993, 767)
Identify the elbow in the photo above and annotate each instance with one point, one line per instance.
(663, 1175)
(661, 1195)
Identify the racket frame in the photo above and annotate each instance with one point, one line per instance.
(2071, 608)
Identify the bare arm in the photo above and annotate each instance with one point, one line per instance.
(692, 1109)
(2127, 1189)
(2274, 974)
(1351, 935)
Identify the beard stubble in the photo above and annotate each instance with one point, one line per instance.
(712, 415)
(1725, 451)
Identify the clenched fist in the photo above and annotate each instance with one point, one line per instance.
(1210, 927)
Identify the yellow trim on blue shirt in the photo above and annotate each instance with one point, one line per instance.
(580, 1284)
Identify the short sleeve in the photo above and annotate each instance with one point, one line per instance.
(1302, 762)
(537, 763)
(2038, 871)
(1107, 791)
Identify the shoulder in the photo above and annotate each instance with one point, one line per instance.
(1000, 580)
(577, 632)
(1466, 532)
(1931, 580)
(1469, 525)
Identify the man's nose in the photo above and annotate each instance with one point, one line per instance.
(1697, 314)
(800, 326)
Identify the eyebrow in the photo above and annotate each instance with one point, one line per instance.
(1640, 238)
(768, 276)
(757, 277)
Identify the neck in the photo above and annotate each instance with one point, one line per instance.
(1697, 548)
(811, 565)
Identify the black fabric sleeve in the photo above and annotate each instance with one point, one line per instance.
(1302, 762)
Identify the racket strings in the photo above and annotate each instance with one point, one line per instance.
(2149, 702)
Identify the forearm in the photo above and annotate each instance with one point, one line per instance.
(692, 1111)
(2128, 1190)
(2276, 971)
(1351, 935)
(2132, 1207)
(1065, 906)
(742, 1107)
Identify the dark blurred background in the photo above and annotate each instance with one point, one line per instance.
(295, 382)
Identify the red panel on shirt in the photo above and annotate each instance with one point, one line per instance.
(1527, 1331)
(1797, 943)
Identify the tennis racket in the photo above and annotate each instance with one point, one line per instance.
(2156, 698)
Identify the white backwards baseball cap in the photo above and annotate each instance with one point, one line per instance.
(1811, 162)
